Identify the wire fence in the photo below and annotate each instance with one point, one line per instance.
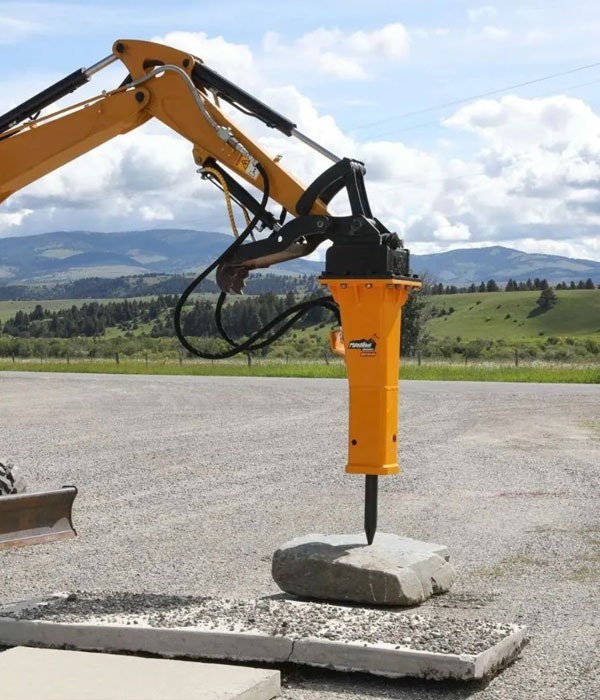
(251, 360)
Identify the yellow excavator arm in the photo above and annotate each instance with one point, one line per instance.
(162, 83)
(366, 268)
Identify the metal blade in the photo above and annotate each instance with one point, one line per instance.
(34, 518)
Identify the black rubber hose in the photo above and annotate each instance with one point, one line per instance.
(296, 311)
(302, 308)
(204, 274)
(251, 344)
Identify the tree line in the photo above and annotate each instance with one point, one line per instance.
(244, 317)
(511, 285)
(88, 320)
(149, 285)
(241, 318)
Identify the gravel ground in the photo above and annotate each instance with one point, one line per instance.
(189, 484)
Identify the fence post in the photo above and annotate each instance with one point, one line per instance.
(13, 357)
(249, 356)
(418, 358)
(326, 357)
(68, 359)
(466, 358)
(516, 357)
(117, 357)
(180, 357)
(146, 359)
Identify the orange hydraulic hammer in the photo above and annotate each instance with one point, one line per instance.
(371, 312)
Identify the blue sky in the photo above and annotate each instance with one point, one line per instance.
(519, 168)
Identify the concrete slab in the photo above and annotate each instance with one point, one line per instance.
(380, 642)
(48, 674)
(392, 571)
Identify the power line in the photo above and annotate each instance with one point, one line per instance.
(477, 97)
(436, 122)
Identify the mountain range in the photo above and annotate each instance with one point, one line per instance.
(68, 255)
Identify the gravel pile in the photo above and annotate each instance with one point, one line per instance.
(294, 620)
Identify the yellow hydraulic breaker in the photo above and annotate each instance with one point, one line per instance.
(370, 312)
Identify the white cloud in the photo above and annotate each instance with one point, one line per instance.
(435, 227)
(584, 248)
(156, 212)
(332, 52)
(427, 32)
(342, 55)
(536, 176)
(451, 232)
(391, 41)
(537, 36)
(344, 68)
(11, 219)
(145, 175)
(557, 122)
(477, 14)
(495, 33)
(234, 61)
(14, 30)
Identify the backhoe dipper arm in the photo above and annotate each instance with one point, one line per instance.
(163, 83)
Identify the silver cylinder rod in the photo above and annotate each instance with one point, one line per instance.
(100, 65)
(315, 146)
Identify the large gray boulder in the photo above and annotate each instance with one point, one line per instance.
(393, 570)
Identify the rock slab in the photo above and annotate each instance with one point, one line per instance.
(393, 571)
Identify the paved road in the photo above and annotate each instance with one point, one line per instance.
(188, 484)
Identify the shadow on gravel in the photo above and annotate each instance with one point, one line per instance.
(305, 678)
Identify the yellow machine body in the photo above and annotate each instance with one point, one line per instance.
(371, 311)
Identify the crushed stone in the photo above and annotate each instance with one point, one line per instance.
(292, 619)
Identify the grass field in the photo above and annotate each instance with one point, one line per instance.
(442, 371)
(508, 315)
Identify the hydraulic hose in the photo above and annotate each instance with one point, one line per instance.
(251, 344)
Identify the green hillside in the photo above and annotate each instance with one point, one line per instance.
(514, 316)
